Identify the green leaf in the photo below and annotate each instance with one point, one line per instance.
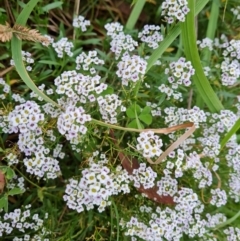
(52, 6)
(146, 110)
(133, 111)
(146, 118)
(10, 173)
(133, 124)
(108, 91)
(4, 203)
(191, 51)
(15, 191)
(130, 112)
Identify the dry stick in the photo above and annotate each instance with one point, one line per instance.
(175, 144)
(190, 99)
(6, 71)
(9, 12)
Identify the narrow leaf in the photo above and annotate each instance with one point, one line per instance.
(16, 45)
(191, 51)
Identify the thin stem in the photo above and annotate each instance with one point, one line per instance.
(27, 179)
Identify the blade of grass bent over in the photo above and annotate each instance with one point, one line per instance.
(191, 51)
(16, 45)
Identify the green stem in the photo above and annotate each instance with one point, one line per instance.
(101, 123)
(137, 9)
(27, 179)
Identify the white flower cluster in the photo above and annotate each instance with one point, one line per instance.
(79, 87)
(42, 166)
(151, 36)
(149, 144)
(144, 176)
(81, 22)
(131, 69)
(18, 98)
(108, 106)
(71, 123)
(5, 90)
(176, 116)
(50, 40)
(25, 118)
(96, 186)
(219, 197)
(187, 201)
(26, 57)
(231, 72)
(175, 9)
(16, 182)
(120, 43)
(87, 61)
(179, 73)
(205, 43)
(231, 64)
(155, 109)
(201, 173)
(178, 155)
(236, 12)
(21, 220)
(12, 159)
(220, 123)
(213, 220)
(233, 233)
(169, 224)
(37, 96)
(113, 29)
(63, 46)
(167, 186)
(233, 161)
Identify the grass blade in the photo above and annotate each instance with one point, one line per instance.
(191, 51)
(233, 130)
(137, 9)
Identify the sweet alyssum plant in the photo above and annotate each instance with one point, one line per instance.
(120, 142)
